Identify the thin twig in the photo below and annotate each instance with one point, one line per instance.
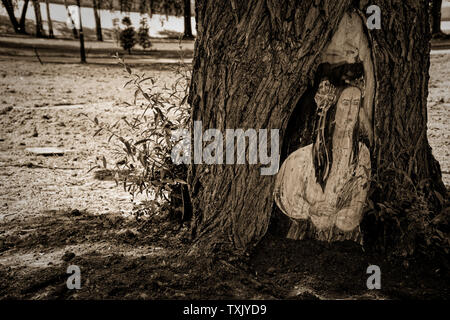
(37, 55)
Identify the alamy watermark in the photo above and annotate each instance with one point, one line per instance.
(374, 20)
(74, 280)
(374, 281)
(233, 140)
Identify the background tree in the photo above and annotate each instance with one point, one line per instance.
(143, 34)
(96, 5)
(436, 6)
(128, 35)
(187, 20)
(81, 35)
(255, 60)
(72, 22)
(9, 6)
(37, 13)
(23, 16)
(435, 16)
(19, 27)
(49, 20)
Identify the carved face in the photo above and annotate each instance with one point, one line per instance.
(347, 110)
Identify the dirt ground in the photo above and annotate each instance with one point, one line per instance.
(55, 213)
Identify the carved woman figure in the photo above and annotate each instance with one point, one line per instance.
(327, 181)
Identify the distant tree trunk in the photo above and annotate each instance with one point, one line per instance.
(23, 16)
(436, 7)
(151, 8)
(10, 10)
(72, 22)
(82, 51)
(49, 20)
(37, 12)
(98, 24)
(187, 20)
(255, 60)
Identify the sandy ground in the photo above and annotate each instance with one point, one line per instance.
(439, 112)
(47, 102)
(51, 206)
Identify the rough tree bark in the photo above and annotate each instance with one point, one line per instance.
(49, 20)
(37, 13)
(98, 23)
(255, 60)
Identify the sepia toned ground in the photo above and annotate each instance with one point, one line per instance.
(54, 212)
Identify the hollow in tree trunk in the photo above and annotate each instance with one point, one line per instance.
(259, 64)
(98, 23)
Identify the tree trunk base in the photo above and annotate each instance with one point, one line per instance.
(301, 230)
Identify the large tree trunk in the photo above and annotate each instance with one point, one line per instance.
(98, 23)
(256, 61)
(37, 13)
(49, 20)
(10, 10)
(187, 20)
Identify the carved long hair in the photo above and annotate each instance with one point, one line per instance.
(322, 152)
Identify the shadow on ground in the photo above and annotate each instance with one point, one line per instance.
(130, 258)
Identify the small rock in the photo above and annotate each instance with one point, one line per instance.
(75, 212)
(46, 151)
(271, 270)
(5, 110)
(68, 256)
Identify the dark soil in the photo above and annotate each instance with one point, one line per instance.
(148, 259)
